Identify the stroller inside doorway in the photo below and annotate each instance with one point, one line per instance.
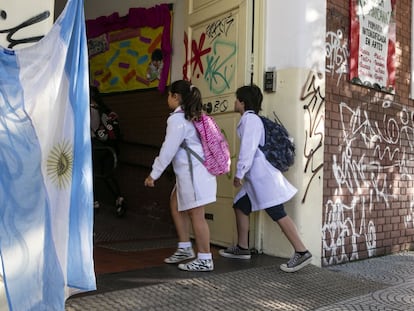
(105, 135)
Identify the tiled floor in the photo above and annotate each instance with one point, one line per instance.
(129, 251)
(130, 242)
(134, 241)
(114, 261)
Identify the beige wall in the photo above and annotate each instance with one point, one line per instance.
(18, 11)
(306, 206)
(299, 64)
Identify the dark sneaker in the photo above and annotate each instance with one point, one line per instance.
(180, 255)
(235, 252)
(297, 262)
(197, 265)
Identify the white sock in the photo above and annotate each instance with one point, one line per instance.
(184, 244)
(204, 256)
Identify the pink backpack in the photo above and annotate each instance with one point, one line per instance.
(215, 147)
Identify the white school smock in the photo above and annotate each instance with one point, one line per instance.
(191, 192)
(265, 185)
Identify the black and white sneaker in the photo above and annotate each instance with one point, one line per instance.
(197, 265)
(180, 255)
(297, 262)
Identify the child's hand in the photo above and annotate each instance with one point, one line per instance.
(149, 182)
(237, 182)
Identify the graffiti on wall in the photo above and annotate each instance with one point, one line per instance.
(14, 30)
(314, 105)
(211, 61)
(372, 166)
(373, 163)
(336, 54)
(313, 101)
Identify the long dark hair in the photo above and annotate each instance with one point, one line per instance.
(191, 101)
(251, 96)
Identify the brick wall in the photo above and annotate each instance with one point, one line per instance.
(369, 150)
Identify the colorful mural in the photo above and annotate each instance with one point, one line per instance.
(131, 52)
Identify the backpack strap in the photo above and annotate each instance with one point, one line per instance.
(190, 152)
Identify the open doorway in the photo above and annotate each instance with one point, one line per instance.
(147, 224)
(218, 64)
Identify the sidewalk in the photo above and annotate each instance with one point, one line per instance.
(382, 283)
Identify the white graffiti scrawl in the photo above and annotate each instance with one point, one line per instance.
(375, 159)
(336, 54)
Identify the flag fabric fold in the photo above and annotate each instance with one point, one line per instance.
(46, 198)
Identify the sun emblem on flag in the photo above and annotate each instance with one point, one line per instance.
(60, 164)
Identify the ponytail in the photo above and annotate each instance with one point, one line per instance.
(191, 98)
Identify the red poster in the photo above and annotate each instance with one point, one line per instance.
(372, 41)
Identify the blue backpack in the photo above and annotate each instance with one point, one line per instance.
(279, 148)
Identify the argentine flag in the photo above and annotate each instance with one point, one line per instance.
(46, 200)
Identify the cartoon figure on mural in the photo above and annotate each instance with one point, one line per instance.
(155, 66)
(11, 27)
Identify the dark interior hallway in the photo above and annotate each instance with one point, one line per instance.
(145, 227)
(119, 242)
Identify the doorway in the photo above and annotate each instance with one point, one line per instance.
(217, 39)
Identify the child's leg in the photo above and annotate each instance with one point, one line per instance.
(204, 260)
(182, 222)
(302, 257)
(242, 210)
(243, 222)
(278, 214)
(181, 219)
(289, 229)
(201, 229)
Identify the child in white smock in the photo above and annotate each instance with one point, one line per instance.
(264, 187)
(194, 188)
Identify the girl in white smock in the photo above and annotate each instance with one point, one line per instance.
(264, 187)
(195, 186)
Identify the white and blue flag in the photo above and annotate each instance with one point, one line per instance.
(46, 196)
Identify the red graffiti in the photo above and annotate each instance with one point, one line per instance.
(198, 51)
